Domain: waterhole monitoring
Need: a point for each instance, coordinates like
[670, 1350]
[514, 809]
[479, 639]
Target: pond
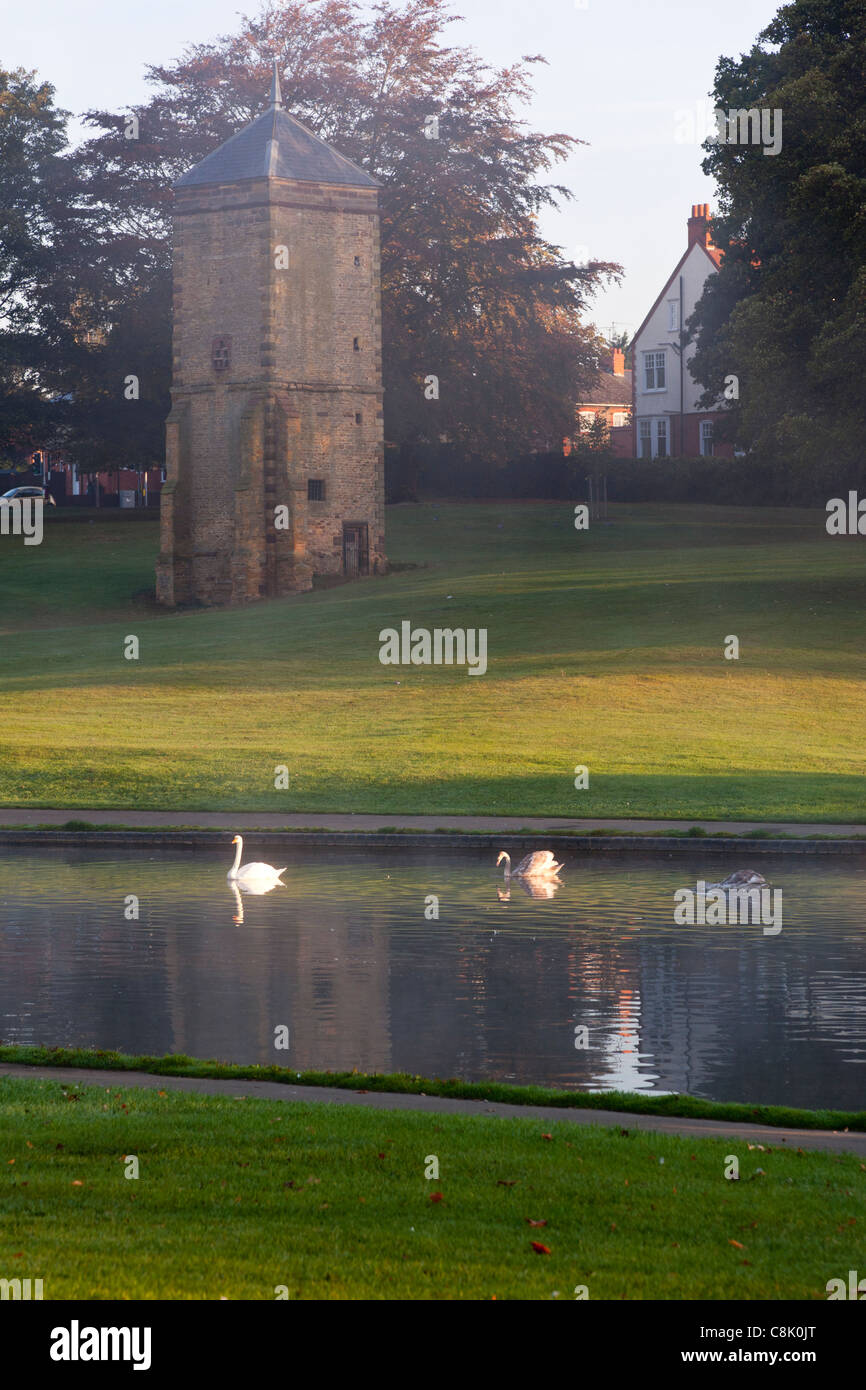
[350, 958]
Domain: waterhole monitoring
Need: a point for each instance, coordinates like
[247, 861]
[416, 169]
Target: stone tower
[274, 443]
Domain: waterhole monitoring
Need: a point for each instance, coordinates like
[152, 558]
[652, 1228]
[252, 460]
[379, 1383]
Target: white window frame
[658, 363]
[706, 439]
[660, 433]
[645, 432]
[620, 419]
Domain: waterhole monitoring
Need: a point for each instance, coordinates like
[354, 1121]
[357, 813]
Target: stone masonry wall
[300, 399]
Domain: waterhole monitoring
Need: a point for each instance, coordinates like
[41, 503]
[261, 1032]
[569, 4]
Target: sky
[629, 77]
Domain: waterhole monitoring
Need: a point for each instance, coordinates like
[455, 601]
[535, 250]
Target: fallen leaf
[539, 1248]
[529, 1221]
[504, 1182]
[737, 1244]
[162, 1093]
[435, 1196]
[76, 1182]
[547, 1136]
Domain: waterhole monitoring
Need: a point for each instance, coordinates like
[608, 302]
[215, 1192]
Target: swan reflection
[255, 890]
[532, 887]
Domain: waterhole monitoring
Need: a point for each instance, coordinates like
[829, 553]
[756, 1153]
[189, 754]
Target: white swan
[538, 865]
[253, 878]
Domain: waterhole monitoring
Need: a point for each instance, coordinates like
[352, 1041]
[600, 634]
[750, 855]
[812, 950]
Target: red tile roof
[608, 390]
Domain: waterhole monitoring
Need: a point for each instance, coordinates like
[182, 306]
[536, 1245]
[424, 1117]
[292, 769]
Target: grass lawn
[605, 649]
[238, 1197]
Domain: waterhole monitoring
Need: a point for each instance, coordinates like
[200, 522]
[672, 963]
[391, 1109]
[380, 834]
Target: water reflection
[532, 887]
[497, 986]
[254, 890]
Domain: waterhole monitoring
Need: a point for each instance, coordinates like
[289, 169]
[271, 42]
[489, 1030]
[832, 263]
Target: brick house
[70, 485]
[611, 398]
[666, 418]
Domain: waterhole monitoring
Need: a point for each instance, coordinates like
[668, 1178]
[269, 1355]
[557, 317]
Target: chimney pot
[699, 225]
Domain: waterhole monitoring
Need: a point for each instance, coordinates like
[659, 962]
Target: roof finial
[276, 94]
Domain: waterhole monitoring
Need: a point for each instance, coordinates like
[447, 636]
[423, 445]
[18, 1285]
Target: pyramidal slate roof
[276, 146]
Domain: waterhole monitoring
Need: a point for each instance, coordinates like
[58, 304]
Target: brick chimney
[618, 362]
[699, 225]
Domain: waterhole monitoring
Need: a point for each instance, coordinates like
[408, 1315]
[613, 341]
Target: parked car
[28, 492]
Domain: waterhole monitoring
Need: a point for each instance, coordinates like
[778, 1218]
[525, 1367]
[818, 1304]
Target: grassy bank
[605, 650]
[628, 1101]
[236, 1199]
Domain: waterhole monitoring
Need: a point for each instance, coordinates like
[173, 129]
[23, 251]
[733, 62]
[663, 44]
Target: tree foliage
[472, 294]
[787, 312]
[33, 220]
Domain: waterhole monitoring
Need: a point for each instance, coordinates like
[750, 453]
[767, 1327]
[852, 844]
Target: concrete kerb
[769, 1135]
[192, 838]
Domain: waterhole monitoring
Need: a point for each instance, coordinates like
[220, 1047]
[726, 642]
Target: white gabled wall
[657, 335]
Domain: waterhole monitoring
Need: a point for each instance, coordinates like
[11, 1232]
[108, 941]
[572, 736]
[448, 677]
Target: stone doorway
[356, 549]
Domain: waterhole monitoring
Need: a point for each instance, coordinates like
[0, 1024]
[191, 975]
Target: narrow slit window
[315, 489]
[221, 353]
[358, 417]
[356, 344]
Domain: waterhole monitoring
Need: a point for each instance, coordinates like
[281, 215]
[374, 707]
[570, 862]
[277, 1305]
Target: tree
[621, 340]
[482, 321]
[786, 314]
[32, 139]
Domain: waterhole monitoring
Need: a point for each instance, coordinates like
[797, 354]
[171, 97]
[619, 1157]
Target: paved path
[315, 820]
[835, 1141]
